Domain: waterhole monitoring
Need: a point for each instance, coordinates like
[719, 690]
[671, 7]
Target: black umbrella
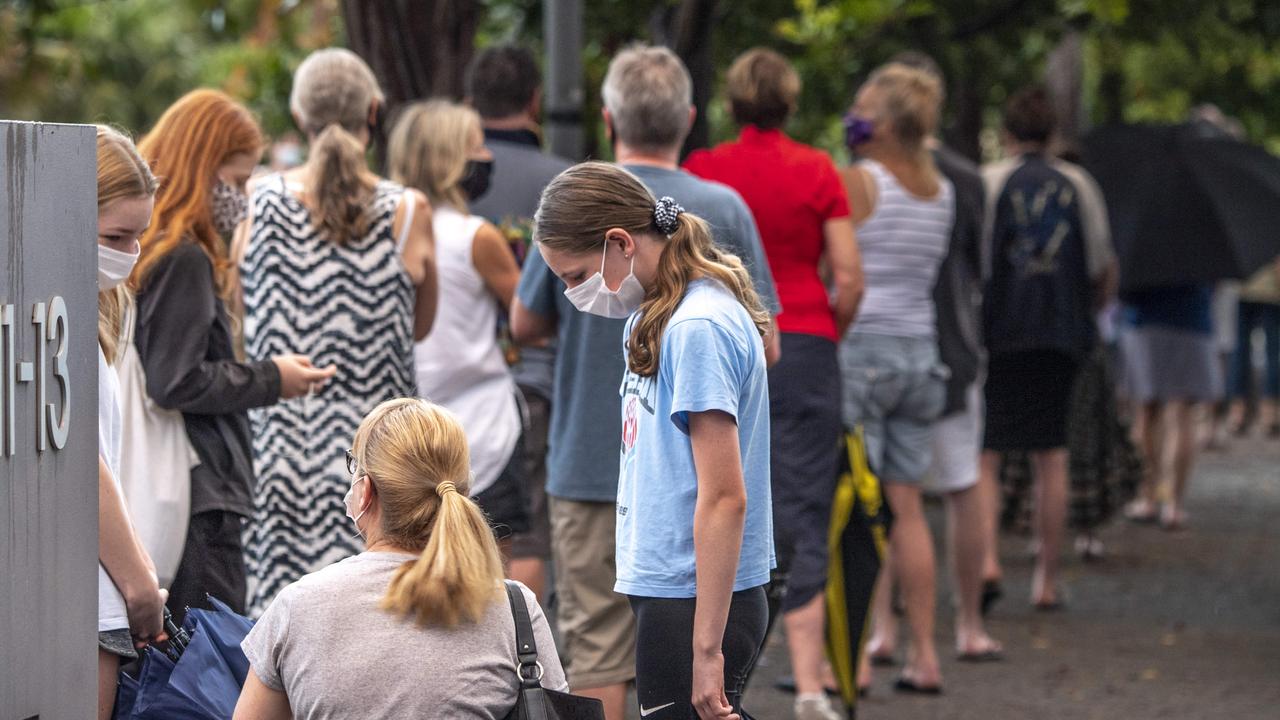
[1187, 203]
[856, 543]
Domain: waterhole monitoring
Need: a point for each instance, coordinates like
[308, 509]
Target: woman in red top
[801, 209]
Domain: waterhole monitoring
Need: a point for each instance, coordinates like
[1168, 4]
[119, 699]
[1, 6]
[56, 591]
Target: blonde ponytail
[689, 253]
[584, 202]
[334, 91]
[456, 578]
[415, 454]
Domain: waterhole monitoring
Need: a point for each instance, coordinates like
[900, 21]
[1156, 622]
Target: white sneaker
[815, 706]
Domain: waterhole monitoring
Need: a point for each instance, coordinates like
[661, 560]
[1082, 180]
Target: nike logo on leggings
[652, 710]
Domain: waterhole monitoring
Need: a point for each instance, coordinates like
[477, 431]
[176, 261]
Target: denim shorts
[895, 388]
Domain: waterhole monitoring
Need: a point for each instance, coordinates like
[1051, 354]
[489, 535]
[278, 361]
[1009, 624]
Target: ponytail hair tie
[445, 488]
[666, 215]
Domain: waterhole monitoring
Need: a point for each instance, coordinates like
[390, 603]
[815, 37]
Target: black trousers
[664, 651]
[212, 564]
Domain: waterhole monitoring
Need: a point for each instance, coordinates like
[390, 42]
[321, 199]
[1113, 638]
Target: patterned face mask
[230, 207]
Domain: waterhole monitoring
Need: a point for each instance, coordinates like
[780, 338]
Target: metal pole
[563, 94]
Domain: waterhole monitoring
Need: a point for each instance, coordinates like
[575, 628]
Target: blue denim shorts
[895, 388]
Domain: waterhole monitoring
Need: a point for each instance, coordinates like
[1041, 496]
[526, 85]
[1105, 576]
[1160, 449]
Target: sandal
[1141, 511]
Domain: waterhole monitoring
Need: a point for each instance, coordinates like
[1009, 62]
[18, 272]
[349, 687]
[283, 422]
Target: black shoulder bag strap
[531, 704]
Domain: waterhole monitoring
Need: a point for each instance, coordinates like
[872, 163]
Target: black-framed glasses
[352, 463]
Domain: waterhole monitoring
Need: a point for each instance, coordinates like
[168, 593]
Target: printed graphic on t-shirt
[1042, 222]
[630, 423]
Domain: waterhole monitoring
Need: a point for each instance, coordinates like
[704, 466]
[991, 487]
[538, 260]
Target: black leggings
[664, 651]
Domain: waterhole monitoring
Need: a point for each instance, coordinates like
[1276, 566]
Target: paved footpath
[1182, 626]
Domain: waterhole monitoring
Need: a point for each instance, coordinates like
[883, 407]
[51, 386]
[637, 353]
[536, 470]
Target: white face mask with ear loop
[346, 503]
[594, 296]
[114, 267]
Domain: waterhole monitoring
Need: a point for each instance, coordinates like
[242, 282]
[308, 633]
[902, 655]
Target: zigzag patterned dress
[347, 305]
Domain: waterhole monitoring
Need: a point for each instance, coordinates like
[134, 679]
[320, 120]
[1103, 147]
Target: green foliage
[1145, 60]
[123, 62]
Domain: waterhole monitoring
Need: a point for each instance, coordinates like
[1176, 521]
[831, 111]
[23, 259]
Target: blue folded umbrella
[204, 678]
[204, 683]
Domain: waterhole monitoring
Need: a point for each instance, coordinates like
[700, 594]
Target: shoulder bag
[535, 702]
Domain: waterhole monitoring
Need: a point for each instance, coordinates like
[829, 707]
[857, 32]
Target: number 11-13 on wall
[52, 419]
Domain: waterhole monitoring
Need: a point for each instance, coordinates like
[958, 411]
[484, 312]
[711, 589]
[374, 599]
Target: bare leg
[884, 626]
[1146, 431]
[805, 626]
[614, 698]
[1180, 434]
[915, 568]
[989, 492]
[965, 524]
[108, 677]
[533, 573]
[1050, 468]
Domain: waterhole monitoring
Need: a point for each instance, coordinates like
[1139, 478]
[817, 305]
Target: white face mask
[113, 267]
[346, 503]
[594, 296]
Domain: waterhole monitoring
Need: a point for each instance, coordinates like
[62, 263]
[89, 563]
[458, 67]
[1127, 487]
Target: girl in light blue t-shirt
[694, 528]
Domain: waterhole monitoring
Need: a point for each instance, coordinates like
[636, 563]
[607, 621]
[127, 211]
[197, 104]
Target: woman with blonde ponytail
[694, 523]
[417, 625]
[340, 264]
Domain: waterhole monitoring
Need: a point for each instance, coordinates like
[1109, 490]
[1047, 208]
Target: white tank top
[460, 365]
[902, 243]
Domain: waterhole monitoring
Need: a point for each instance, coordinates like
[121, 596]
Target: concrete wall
[48, 498]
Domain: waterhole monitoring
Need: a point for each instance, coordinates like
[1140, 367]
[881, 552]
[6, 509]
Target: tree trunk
[417, 49]
[695, 23]
[1064, 80]
[967, 100]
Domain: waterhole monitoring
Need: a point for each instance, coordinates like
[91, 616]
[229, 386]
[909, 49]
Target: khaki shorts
[597, 627]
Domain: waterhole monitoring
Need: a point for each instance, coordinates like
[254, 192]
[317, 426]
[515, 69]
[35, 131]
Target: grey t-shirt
[586, 420]
[325, 642]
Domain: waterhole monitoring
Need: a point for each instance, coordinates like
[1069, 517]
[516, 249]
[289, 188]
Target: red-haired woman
[204, 148]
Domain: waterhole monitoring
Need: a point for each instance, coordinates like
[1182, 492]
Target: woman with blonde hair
[337, 262]
[438, 148]
[130, 601]
[418, 624]
[204, 147]
[694, 523]
[894, 382]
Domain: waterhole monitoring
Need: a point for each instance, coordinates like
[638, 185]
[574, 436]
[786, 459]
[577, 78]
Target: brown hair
[763, 89]
[192, 139]
[122, 174]
[911, 99]
[1028, 115]
[584, 202]
[415, 455]
[333, 92]
[428, 149]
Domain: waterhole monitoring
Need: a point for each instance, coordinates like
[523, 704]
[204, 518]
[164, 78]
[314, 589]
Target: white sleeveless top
[902, 243]
[460, 365]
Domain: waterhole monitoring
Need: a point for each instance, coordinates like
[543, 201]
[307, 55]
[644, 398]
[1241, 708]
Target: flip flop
[883, 661]
[1050, 607]
[983, 656]
[991, 592]
[909, 686]
[787, 684]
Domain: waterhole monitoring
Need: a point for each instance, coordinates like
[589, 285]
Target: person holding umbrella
[130, 601]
